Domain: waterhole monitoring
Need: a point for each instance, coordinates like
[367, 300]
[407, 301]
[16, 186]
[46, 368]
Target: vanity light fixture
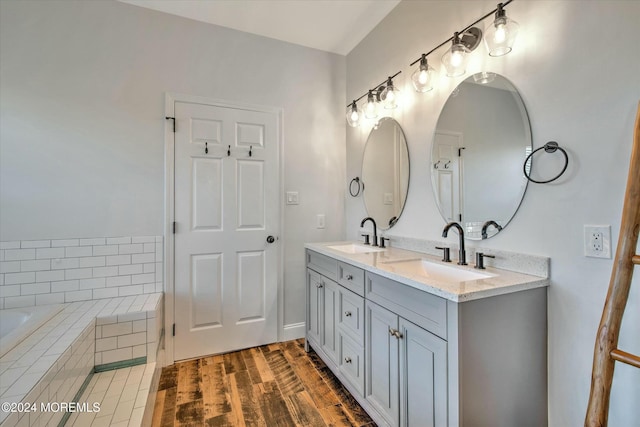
[383, 93]
[371, 107]
[389, 95]
[353, 114]
[455, 59]
[501, 35]
[422, 77]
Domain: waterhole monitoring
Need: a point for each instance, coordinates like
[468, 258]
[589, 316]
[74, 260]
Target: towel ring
[549, 147]
[360, 187]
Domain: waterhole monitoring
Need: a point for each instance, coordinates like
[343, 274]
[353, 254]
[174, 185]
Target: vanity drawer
[323, 264]
[352, 363]
[422, 308]
[351, 277]
[351, 314]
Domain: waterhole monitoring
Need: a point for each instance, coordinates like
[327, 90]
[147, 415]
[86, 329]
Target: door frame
[169, 213]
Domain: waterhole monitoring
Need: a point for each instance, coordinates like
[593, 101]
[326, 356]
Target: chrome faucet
[375, 232]
[486, 225]
[462, 255]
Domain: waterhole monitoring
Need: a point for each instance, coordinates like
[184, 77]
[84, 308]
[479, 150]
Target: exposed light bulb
[501, 35]
[422, 77]
[353, 115]
[456, 58]
[371, 108]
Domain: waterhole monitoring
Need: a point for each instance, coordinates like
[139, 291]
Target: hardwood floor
[274, 385]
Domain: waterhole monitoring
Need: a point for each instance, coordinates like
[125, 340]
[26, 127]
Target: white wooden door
[226, 206]
[448, 180]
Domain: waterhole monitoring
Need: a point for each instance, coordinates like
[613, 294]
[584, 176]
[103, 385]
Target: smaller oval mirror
[385, 173]
[481, 141]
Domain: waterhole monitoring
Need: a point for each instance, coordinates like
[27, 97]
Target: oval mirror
[385, 173]
[481, 141]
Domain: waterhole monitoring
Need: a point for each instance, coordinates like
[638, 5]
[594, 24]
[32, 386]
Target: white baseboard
[293, 331]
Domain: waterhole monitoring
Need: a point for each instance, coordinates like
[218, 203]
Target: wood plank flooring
[274, 385]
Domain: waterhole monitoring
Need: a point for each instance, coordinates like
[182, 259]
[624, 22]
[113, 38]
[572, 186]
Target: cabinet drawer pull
[347, 360]
[347, 313]
[349, 277]
[392, 332]
[398, 335]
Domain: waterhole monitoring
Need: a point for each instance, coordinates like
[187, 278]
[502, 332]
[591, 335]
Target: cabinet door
[381, 355]
[330, 316]
[314, 306]
[423, 377]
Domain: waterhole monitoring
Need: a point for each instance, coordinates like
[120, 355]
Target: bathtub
[16, 324]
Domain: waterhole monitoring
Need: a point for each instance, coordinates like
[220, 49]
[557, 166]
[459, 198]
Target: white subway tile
[93, 242]
[19, 254]
[105, 250]
[150, 247]
[149, 267]
[103, 344]
[93, 261]
[124, 291]
[137, 279]
[64, 243]
[48, 253]
[131, 340]
[77, 296]
[19, 302]
[9, 291]
[131, 317]
[19, 278]
[116, 329]
[105, 293]
[118, 240]
[130, 249]
[149, 288]
[1, 308]
[78, 251]
[106, 320]
[78, 273]
[152, 349]
[118, 281]
[49, 276]
[130, 269]
[143, 258]
[143, 239]
[98, 282]
[9, 266]
[15, 244]
[139, 351]
[35, 265]
[26, 244]
[117, 356]
[105, 271]
[118, 259]
[44, 299]
[64, 263]
[65, 286]
[140, 325]
[35, 288]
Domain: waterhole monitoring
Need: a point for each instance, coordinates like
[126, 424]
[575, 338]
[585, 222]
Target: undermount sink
[352, 248]
[431, 270]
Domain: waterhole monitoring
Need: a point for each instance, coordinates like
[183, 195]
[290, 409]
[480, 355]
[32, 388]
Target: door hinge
[174, 330]
[174, 122]
[174, 227]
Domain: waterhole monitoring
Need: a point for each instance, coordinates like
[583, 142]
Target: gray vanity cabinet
[322, 304]
[406, 374]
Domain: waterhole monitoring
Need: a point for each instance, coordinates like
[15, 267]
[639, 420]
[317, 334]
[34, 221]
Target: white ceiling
[330, 25]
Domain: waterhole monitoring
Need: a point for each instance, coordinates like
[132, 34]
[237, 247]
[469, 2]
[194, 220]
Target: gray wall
[581, 90]
[82, 89]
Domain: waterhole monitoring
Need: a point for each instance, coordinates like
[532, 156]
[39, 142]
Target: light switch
[388, 198]
[292, 197]
[320, 221]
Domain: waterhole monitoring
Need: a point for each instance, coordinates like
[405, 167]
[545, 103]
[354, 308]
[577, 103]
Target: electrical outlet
[597, 241]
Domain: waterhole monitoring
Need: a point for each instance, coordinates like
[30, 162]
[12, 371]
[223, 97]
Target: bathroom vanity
[419, 342]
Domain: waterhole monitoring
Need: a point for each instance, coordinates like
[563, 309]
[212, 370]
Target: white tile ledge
[34, 362]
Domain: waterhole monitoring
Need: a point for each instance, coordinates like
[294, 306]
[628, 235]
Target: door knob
[271, 239]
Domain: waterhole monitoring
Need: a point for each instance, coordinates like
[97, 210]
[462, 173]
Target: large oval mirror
[482, 139]
[385, 173]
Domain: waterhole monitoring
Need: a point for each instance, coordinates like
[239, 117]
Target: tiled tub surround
[52, 363]
[40, 272]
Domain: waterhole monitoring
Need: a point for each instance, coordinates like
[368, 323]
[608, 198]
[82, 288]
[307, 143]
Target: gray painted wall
[581, 90]
[82, 108]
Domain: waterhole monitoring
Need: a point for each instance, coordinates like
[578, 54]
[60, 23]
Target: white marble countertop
[386, 263]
